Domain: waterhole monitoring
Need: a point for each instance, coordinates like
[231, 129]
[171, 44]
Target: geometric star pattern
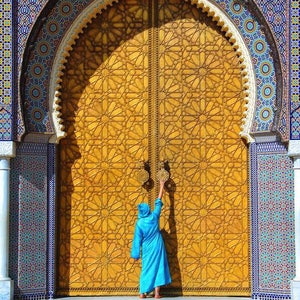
[133, 92]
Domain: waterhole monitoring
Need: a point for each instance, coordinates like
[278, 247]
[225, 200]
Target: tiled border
[6, 70]
[271, 207]
[294, 69]
[29, 221]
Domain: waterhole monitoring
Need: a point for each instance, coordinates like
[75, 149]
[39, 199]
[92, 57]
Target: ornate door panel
[200, 100]
[150, 81]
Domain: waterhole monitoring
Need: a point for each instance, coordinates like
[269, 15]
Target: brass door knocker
[162, 174]
[143, 175]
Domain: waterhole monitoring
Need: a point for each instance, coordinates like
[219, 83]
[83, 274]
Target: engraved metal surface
[151, 81]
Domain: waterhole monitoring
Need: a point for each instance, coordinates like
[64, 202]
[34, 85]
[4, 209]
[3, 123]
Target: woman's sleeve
[136, 243]
[158, 206]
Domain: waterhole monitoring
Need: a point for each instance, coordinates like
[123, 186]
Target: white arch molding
[91, 11]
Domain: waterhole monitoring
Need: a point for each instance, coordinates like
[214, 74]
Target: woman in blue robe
[148, 244]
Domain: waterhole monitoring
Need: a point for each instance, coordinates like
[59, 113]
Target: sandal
[158, 296]
[142, 296]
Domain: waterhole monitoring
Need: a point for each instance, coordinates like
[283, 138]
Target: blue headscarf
[143, 210]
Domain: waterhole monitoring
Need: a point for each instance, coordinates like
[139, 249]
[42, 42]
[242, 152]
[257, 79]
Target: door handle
[162, 174]
[143, 174]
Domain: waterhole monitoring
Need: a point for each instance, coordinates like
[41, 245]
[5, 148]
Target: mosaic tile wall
[272, 221]
[31, 228]
[6, 57]
[276, 14]
[28, 14]
[263, 62]
[294, 70]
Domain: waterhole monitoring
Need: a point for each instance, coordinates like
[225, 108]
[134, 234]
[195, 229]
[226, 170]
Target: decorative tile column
[294, 152]
[7, 151]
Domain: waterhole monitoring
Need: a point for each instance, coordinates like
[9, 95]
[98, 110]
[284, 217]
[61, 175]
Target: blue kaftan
[147, 237]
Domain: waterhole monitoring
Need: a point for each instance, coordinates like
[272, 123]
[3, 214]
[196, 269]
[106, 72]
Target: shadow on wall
[171, 242]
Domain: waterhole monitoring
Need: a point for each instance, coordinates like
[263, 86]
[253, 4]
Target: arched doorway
[153, 81]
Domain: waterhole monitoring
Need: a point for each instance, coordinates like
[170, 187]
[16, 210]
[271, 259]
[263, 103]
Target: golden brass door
[152, 81]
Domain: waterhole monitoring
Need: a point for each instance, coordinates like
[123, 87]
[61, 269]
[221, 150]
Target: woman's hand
[161, 190]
